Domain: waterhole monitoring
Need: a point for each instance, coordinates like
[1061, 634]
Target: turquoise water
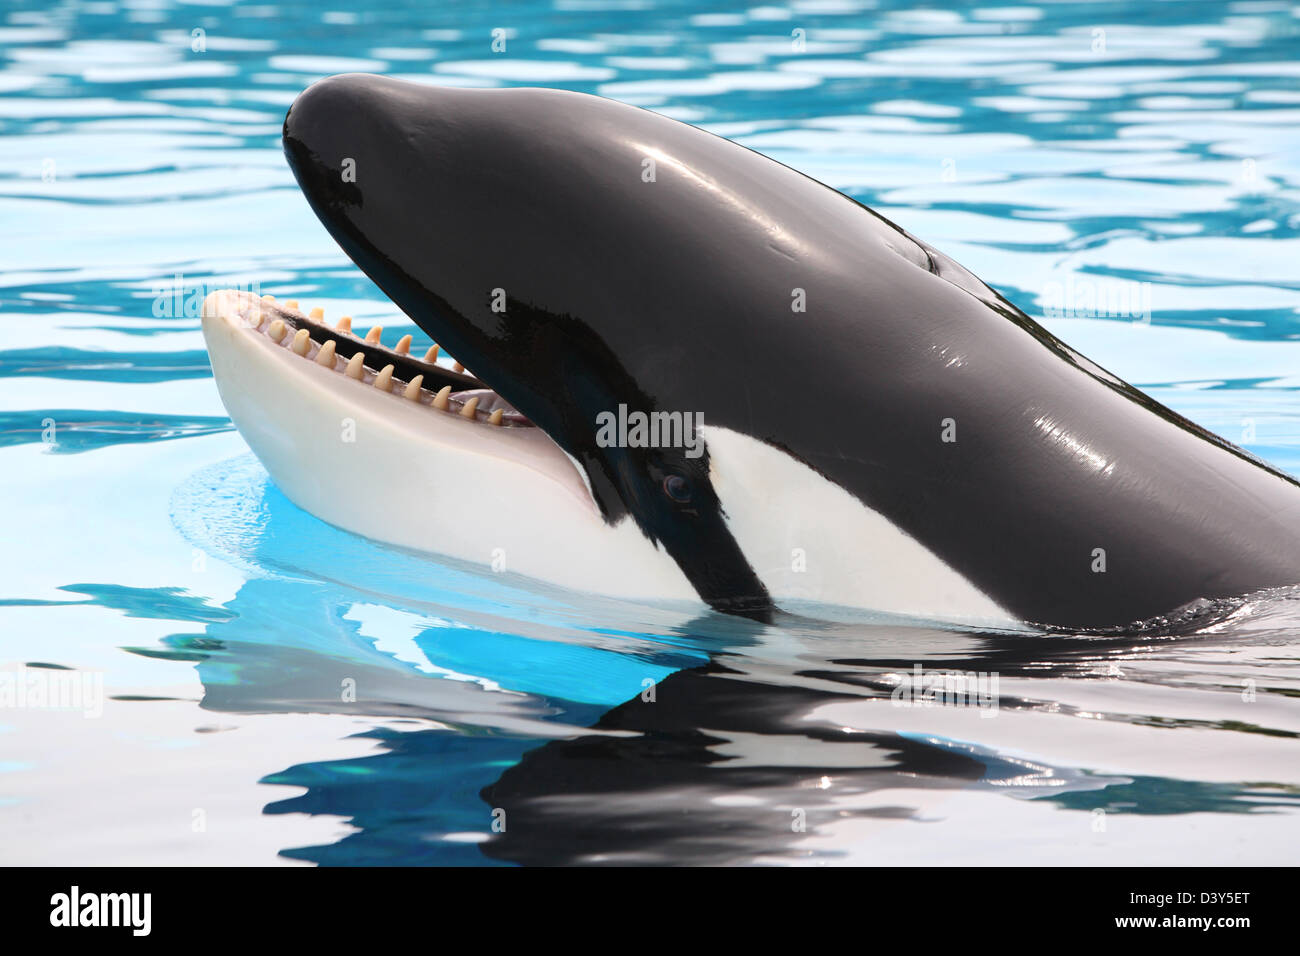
[258, 687]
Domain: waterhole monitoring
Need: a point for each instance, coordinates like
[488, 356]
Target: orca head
[524, 231]
[590, 260]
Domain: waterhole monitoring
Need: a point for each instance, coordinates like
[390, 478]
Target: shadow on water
[509, 727]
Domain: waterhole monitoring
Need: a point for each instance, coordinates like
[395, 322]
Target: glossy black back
[676, 294]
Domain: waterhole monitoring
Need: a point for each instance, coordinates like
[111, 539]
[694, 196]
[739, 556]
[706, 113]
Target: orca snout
[343, 136]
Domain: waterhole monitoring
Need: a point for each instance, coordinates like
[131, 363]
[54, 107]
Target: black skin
[676, 295]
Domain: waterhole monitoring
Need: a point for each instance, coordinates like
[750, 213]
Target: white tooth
[413, 388]
[354, 366]
[291, 304]
[276, 331]
[374, 333]
[470, 408]
[318, 313]
[440, 400]
[301, 342]
[345, 324]
[384, 380]
[458, 367]
[404, 345]
[431, 356]
[326, 354]
[495, 417]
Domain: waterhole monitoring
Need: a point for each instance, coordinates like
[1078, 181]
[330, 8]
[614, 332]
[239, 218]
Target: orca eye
[677, 488]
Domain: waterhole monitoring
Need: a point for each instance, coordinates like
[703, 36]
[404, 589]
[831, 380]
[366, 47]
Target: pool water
[255, 686]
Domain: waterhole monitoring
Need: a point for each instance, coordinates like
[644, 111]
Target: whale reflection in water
[535, 730]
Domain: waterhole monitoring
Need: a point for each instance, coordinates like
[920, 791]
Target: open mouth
[289, 381]
[415, 452]
[368, 362]
[328, 410]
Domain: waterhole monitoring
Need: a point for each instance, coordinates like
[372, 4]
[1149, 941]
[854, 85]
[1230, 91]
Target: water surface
[274, 690]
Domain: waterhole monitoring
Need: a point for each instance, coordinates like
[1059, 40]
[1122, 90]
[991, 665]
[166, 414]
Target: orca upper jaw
[373, 450]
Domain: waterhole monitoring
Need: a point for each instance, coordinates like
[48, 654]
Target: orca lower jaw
[411, 453]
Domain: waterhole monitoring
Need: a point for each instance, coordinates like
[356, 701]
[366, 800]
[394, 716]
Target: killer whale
[881, 428]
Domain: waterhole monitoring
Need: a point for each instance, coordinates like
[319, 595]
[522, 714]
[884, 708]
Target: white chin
[400, 470]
